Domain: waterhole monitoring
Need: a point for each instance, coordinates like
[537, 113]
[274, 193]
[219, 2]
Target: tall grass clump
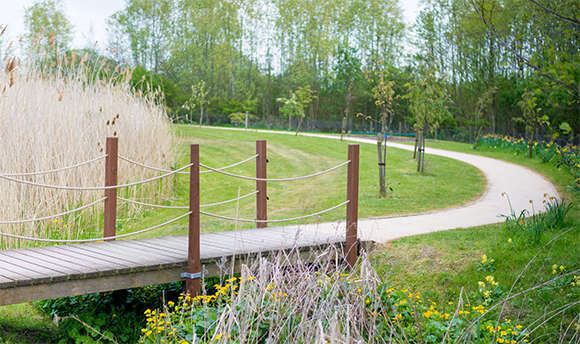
[58, 113]
[286, 300]
[533, 225]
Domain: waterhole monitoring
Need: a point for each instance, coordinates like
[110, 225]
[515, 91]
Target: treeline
[477, 66]
[249, 54]
[511, 66]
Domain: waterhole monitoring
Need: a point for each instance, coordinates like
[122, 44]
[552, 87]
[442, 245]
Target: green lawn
[448, 182]
[440, 264]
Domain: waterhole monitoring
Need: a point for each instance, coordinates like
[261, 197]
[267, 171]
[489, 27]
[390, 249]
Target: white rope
[165, 170]
[89, 188]
[229, 200]
[229, 166]
[278, 220]
[10, 222]
[54, 170]
[276, 179]
[147, 166]
[15, 236]
[151, 205]
[182, 207]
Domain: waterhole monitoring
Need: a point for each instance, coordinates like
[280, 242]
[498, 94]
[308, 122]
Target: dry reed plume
[62, 117]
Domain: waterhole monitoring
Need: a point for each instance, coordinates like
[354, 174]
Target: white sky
[88, 18]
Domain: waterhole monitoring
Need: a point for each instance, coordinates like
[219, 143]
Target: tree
[348, 76]
[428, 102]
[198, 98]
[48, 30]
[147, 24]
[294, 106]
[384, 95]
[531, 116]
[481, 108]
[305, 95]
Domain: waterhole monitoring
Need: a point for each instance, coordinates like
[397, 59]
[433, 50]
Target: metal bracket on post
[189, 275]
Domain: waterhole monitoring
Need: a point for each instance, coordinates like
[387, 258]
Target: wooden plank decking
[57, 271]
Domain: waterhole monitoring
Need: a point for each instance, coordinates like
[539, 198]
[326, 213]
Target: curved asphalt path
[519, 183]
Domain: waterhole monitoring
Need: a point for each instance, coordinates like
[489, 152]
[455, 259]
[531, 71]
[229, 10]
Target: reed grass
[58, 114]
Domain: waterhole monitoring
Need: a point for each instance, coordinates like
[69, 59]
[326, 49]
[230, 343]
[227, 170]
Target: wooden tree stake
[352, 206]
[110, 222]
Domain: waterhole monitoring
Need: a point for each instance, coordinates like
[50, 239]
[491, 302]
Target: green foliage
[48, 30]
[428, 101]
[114, 315]
[294, 106]
[198, 98]
[163, 87]
[239, 118]
[146, 25]
[567, 157]
[291, 107]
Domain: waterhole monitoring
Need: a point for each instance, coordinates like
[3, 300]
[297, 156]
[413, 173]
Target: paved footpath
[519, 183]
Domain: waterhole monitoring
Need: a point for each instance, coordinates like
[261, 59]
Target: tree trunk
[531, 143]
[416, 143]
[201, 116]
[418, 150]
[299, 125]
[422, 152]
[380, 155]
[477, 138]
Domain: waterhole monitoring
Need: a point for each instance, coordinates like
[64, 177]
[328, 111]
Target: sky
[89, 18]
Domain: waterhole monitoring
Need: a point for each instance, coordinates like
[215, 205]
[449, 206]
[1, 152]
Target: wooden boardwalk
[74, 269]
[57, 271]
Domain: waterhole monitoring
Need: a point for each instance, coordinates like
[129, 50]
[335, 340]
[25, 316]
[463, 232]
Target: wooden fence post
[352, 206]
[111, 162]
[193, 274]
[261, 185]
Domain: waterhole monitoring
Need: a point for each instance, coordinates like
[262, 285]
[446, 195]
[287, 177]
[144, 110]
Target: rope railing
[23, 237]
[277, 220]
[166, 170]
[229, 200]
[276, 179]
[93, 188]
[23, 174]
[160, 206]
[186, 207]
[12, 222]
